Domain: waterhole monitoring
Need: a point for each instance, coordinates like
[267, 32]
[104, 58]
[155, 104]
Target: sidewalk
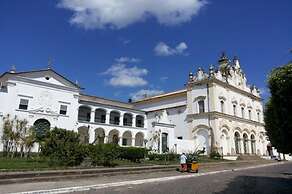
[53, 175]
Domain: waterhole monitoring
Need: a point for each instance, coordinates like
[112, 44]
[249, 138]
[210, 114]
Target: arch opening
[139, 139]
[83, 135]
[113, 136]
[127, 138]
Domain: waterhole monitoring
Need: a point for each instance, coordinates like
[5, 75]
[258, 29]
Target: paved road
[220, 179]
[267, 180]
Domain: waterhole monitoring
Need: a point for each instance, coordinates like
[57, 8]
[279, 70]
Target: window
[23, 105]
[63, 110]
[201, 106]
[249, 114]
[179, 137]
[234, 109]
[222, 106]
[259, 118]
[242, 112]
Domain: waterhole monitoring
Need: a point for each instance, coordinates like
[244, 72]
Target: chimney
[130, 100]
[13, 69]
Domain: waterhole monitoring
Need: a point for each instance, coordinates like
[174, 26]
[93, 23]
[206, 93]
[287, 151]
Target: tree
[278, 117]
[16, 135]
[62, 146]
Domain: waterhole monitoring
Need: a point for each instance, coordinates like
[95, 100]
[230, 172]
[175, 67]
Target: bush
[163, 157]
[62, 147]
[133, 154]
[215, 155]
[104, 154]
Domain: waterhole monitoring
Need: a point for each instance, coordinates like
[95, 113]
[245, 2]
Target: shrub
[104, 154]
[163, 157]
[215, 155]
[133, 154]
[62, 146]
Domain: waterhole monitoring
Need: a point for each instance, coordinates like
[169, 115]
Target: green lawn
[10, 164]
[19, 164]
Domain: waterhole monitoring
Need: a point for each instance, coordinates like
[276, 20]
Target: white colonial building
[216, 110]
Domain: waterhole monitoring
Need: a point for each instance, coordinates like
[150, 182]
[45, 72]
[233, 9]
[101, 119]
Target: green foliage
[132, 153]
[17, 138]
[278, 117]
[104, 154]
[163, 157]
[62, 146]
[215, 155]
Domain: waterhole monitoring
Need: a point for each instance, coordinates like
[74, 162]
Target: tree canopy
[278, 110]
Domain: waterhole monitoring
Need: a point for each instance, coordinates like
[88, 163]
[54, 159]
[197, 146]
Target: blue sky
[116, 50]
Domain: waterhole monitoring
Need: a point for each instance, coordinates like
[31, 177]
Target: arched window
[245, 143]
[139, 121]
[259, 117]
[249, 114]
[237, 142]
[100, 116]
[253, 142]
[128, 119]
[201, 106]
[234, 109]
[222, 106]
[84, 113]
[41, 126]
[242, 112]
[115, 118]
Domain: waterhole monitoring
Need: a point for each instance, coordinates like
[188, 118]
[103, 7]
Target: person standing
[183, 162]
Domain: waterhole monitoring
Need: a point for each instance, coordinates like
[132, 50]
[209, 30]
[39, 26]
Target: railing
[83, 118]
[114, 122]
[99, 120]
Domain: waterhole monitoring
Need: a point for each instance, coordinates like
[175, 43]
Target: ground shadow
[259, 184]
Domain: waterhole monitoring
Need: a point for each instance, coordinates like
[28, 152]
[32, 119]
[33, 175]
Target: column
[105, 139]
[133, 142]
[121, 119]
[248, 151]
[107, 118]
[160, 143]
[241, 146]
[92, 115]
[134, 121]
[91, 134]
[121, 140]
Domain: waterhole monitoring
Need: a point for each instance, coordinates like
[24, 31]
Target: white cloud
[127, 60]
[92, 14]
[162, 49]
[145, 93]
[164, 78]
[124, 76]
[181, 47]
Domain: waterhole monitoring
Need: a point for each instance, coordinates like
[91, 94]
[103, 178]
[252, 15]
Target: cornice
[35, 82]
[231, 87]
[215, 114]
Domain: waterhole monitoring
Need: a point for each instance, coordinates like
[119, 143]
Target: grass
[25, 164]
[36, 163]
